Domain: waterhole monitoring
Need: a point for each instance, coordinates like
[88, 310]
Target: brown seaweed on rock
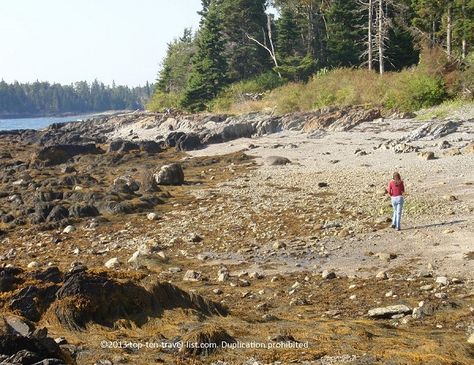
[95, 298]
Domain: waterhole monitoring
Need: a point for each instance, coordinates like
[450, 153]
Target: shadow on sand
[442, 224]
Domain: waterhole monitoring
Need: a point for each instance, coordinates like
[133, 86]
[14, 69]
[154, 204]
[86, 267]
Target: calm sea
[36, 123]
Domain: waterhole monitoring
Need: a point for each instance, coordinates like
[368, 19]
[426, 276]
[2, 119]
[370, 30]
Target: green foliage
[297, 68]
[174, 74]
[414, 91]
[238, 92]
[43, 98]
[404, 91]
[209, 66]
[345, 30]
[240, 18]
[160, 101]
[288, 35]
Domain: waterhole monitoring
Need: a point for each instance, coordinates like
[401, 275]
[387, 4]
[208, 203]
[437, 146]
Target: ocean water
[36, 123]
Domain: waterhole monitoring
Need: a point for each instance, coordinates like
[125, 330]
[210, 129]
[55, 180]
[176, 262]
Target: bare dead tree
[449, 27]
[269, 48]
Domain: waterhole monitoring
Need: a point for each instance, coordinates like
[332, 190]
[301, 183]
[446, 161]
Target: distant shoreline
[61, 115]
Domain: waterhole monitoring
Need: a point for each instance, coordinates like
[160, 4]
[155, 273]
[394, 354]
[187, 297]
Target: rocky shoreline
[172, 229]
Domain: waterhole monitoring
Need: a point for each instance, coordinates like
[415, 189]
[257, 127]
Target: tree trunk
[463, 41]
[449, 32]
[370, 51]
[433, 39]
[380, 37]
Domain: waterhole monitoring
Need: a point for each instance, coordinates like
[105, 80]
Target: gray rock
[170, 175]
[328, 275]
[388, 312]
[192, 275]
[276, 161]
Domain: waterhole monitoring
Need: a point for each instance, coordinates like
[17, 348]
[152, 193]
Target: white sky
[70, 40]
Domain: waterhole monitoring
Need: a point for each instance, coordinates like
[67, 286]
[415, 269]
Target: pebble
[328, 274]
[152, 216]
[33, 264]
[69, 229]
[443, 280]
[382, 275]
[112, 263]
[192, 275]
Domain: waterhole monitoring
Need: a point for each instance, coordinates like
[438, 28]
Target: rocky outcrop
[58, 154]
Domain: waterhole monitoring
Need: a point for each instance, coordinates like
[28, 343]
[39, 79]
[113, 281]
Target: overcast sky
[70, 40]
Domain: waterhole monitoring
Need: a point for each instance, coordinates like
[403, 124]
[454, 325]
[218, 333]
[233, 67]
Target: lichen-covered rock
[170, 175]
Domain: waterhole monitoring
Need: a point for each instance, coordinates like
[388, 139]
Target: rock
[427, 155]
[188, 142]
[223, 276]
[322, 185]
[192, 275]
[33, 265]
[276, 161]
[388, 312]
[382, 275]
[339, 120]
[442, 280]
[122, 146]
[170, 175]
[471, 339]
[83, 210]
[444, 145]
[57, 213]
[386, 256]
[147, 182]
[278, 245]
[328, 275]
[69, 229]
[452, 152]
[152, 216]
[195, 238]
[441, 295]
[150, 147]
[58, 154]
[426, 287]
[432, 130]
[450, 198]
[19, 326]
[112, 263]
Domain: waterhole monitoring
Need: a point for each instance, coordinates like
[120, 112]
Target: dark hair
[397, 178]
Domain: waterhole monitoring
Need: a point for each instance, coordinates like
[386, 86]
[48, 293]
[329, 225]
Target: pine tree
[209, 65]
[344, 33]
[288, 35]
[240, 19]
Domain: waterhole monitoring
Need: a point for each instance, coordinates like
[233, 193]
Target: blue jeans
[397, 204]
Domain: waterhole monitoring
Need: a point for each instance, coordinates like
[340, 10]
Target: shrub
[161, 101]
[414, 90]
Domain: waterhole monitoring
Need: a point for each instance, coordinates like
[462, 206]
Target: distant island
[41, 99]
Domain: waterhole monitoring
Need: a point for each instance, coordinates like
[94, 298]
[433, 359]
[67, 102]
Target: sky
[70, 40]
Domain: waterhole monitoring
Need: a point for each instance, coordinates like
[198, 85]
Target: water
[36, 123]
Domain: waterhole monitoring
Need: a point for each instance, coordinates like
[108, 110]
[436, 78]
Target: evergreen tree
[288, 35]
[209, 65]
[240, 18]
[345, 32]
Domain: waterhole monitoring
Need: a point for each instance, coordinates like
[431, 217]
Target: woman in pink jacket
[396, 189]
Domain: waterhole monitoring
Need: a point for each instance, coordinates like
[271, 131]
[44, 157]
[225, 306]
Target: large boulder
[170, 175]
[61, 153]
[122, 146]
[150, 146]
[188, 142]
[83, 210]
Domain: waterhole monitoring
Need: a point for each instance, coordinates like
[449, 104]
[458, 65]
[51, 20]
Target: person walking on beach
[396, 189]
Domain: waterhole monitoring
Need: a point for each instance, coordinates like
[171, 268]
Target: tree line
[241, 40]
[43, 98]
